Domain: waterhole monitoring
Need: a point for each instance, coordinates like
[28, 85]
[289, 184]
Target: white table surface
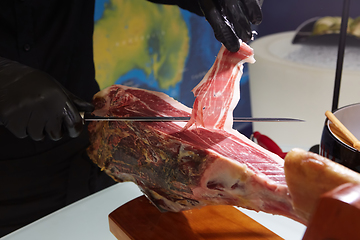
[88, 219]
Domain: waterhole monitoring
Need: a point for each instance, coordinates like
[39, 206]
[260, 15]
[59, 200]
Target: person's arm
[34, 104]
[190, 5]
[230, 19]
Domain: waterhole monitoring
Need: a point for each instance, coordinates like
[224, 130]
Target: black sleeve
[190, 5]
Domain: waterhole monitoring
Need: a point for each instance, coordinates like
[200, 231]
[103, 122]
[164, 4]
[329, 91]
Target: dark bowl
[333, 148]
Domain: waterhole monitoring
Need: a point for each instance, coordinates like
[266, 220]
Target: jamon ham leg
[182, 169]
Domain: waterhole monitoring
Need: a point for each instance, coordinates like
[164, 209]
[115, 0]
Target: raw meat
[181, 169]
[218, 93]
[310, 175]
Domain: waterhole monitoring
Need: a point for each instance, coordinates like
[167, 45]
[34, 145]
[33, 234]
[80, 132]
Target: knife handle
[82, 115]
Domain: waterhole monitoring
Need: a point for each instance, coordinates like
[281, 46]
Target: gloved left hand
[34, 104]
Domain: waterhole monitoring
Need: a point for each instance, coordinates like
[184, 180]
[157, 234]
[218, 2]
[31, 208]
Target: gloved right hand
[230, 19]
[32, 103]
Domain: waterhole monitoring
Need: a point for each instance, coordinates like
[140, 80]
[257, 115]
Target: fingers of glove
[36, 125]
[253, 10]
[81, 105]
[54, 129]
[236, 13]
[222, 30]
[17, 125]
[4, 109]
[72, 120]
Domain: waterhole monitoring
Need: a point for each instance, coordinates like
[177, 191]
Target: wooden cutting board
[140, 220]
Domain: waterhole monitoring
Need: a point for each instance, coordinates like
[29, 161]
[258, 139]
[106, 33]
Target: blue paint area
[99, 8]
[137, 78]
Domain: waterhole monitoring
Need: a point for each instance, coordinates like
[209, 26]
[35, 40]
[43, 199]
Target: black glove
[230, 19]
[32, 103]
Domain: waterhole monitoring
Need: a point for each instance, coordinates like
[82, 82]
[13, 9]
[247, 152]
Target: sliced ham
[219, 92]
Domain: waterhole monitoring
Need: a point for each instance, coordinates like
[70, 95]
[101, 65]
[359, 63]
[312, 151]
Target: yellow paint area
[136, 34]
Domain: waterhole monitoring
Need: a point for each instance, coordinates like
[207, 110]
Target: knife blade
[89, 117]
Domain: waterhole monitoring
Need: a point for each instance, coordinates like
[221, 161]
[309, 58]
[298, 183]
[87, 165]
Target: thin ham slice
[219, 91]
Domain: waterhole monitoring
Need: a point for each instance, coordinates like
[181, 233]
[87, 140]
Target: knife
[87, 116]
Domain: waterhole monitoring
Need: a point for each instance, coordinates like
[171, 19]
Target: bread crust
[309, 175]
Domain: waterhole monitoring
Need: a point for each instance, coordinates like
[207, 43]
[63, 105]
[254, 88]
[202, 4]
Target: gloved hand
[230, 19]
[34, 104]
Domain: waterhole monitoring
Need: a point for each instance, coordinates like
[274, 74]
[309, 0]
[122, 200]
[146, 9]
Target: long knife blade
[90, 117]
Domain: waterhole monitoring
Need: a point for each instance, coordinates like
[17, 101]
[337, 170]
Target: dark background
[287, 15]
